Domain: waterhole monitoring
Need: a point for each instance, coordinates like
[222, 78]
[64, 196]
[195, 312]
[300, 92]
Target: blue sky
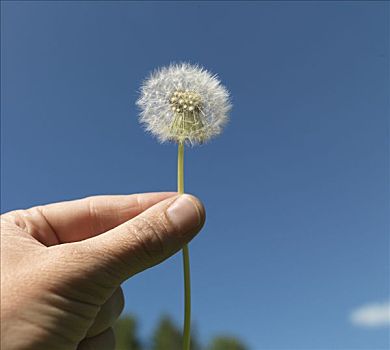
[296, 189]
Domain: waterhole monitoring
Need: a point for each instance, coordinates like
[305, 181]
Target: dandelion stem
[180, 168]
[186, 257]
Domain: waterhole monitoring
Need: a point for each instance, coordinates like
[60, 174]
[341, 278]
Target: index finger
[80, 219]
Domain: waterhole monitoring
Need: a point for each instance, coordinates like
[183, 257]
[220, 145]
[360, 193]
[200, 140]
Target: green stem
[186, 257]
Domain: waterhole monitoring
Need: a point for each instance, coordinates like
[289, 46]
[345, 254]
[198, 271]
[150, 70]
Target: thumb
[147, 239]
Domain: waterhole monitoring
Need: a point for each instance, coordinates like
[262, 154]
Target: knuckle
[33, 221]
[149, 234]
[93, 214]
[15, 217]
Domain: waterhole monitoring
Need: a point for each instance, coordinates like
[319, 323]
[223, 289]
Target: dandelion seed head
[183, 103]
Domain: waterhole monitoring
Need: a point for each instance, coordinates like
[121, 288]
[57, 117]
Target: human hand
[62, 264]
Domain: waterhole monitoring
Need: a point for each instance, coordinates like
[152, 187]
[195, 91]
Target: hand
[62, 264]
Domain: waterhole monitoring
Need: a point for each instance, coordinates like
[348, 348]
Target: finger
[80, 219]
[146, 240]
[102, 341]
[108, 314]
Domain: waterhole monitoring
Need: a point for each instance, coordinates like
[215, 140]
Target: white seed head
[183, 103]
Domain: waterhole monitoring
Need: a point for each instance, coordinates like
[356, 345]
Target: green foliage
[126, 334]
[226, 343]
[166, 336]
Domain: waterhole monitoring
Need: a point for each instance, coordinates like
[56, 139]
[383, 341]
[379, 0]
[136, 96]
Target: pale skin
[62, 264]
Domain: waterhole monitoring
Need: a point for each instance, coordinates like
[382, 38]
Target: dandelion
[183, 103]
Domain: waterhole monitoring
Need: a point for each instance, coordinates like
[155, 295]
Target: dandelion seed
[183, 103]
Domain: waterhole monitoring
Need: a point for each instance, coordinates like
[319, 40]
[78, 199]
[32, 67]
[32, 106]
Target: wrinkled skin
[62, 264]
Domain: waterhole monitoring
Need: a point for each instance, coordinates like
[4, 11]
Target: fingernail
[183, 213]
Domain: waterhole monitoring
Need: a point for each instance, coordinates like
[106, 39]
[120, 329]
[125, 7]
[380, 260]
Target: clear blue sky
[296, 189]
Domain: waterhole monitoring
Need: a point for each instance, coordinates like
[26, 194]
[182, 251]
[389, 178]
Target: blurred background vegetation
[166, 336]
